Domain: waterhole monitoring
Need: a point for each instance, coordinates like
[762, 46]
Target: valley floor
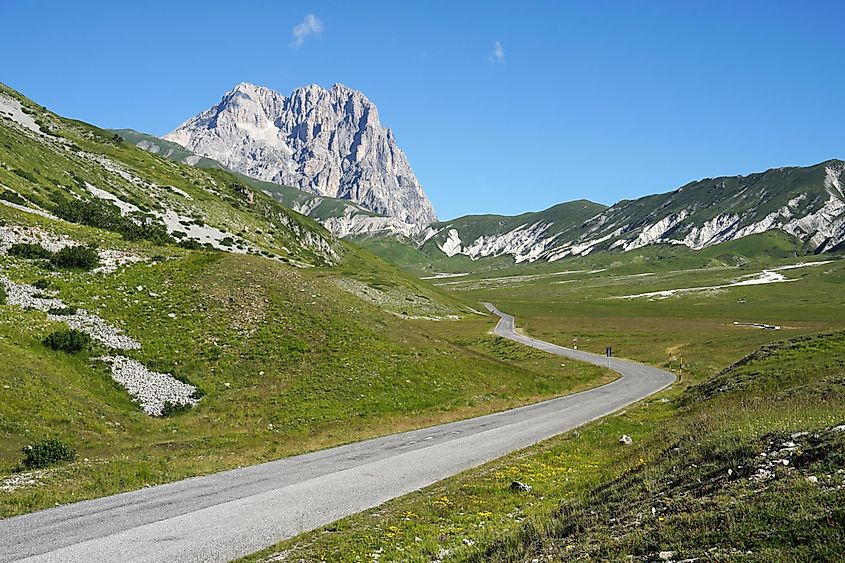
[231, 513]
[743, 460]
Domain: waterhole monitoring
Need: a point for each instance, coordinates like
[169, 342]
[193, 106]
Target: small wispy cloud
[311, 25]
[498, 54]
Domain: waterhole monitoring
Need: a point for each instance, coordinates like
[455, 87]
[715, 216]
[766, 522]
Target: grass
[287, 361]
[592, 497]
[48, 171]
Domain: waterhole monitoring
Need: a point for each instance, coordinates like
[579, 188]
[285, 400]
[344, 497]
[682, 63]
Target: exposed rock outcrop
[327, 142]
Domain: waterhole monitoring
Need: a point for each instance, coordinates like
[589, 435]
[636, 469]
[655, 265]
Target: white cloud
[311, 25]
[498, 55]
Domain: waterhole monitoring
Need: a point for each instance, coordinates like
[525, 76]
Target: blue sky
[502, 107]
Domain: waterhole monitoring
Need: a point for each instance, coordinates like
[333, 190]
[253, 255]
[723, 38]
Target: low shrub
[172, 409]
[2, 295]
[62, 311]
[13, 197]
[68, 340]
[104, 215]
[41, 284]
[29, 250]
[190, 244]
[26, 175]
[46, 453]
[76, 257]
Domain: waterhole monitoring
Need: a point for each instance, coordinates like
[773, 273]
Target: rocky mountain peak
[328, 142]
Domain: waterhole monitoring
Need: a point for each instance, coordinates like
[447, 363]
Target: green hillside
[283, 338]
[704, 477]
[563, 217]
[806, 203]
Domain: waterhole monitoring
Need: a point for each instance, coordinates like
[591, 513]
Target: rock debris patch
[110, 260]
[98, 329]
[153, 390]
[15, 234]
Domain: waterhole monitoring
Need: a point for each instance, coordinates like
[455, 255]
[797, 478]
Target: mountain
[525, 236]
[327, 142]
[805, 202]
[343, 218]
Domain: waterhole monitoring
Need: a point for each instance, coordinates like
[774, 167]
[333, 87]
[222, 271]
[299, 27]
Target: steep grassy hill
[212, 327]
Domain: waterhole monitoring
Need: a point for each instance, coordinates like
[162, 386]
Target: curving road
[222, 516]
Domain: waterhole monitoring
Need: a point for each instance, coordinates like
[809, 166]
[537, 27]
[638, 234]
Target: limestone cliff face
[328, 142]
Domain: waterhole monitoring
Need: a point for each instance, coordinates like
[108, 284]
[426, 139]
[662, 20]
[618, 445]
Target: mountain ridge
[805, 202]
[328, 142]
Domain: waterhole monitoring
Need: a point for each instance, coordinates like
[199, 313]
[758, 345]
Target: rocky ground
[151, 389]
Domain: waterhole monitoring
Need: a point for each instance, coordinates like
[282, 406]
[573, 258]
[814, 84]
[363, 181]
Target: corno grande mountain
[327, 142]
[805, 202]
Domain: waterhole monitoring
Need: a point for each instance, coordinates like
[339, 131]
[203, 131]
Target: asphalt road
[222, 516]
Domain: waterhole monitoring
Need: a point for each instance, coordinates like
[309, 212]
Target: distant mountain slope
[167, 149]
[805, 202]
[328, 142]
[525, 236]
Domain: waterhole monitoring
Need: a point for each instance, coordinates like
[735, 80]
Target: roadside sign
[608, 352]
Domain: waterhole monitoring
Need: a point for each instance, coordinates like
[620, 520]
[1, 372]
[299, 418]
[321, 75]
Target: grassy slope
[696, 447]
[46, 169]
[563, 216]
[764, 246]
[718, 423]
[748, 199]
[288, 360]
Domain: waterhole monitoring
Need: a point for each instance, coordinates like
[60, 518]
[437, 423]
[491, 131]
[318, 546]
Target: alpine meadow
[247, 334]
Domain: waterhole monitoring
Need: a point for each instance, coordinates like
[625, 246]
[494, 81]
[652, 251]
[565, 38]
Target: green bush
[2, 295]
[29, 250]
[62, 311]
[68, 340]
[13, 197]
[104, 215]
[46, 453]
[41, 284]
[190, 244]
[94, 213]
[26, 175]
[79, 257]
[172, 409]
